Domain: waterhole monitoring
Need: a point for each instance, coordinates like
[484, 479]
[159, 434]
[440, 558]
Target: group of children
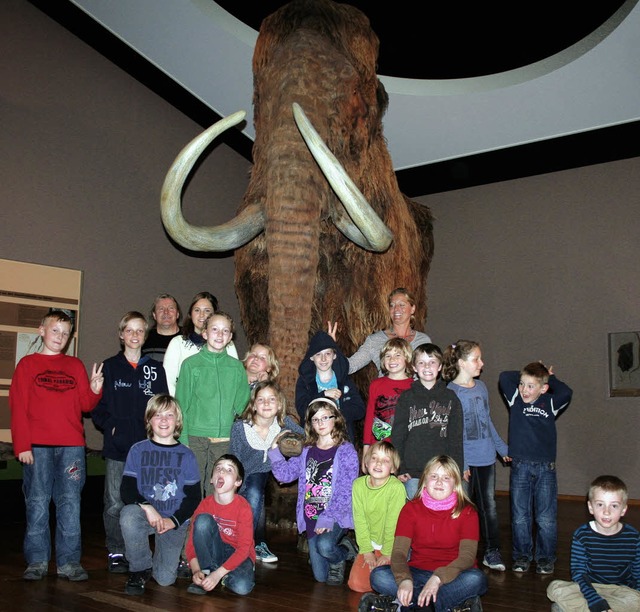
[174, 465]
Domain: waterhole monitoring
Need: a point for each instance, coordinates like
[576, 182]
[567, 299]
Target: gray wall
[544, 268]
[84, 151]
[538, 268]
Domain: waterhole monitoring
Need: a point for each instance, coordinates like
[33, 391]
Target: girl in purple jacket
[325, 472]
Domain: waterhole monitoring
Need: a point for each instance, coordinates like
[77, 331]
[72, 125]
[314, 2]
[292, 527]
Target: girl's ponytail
[454, 352]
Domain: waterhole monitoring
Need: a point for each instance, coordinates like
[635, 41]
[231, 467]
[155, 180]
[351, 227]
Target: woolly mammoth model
[323, 232]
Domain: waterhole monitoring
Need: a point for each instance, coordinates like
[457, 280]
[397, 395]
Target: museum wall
[85, 149]
[544, 268]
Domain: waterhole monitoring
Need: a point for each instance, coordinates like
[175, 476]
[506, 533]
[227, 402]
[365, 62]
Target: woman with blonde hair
[402, 306]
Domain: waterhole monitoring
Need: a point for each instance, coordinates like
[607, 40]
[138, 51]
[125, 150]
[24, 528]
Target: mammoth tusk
[348, 228]
[225, 237]
[366, 223]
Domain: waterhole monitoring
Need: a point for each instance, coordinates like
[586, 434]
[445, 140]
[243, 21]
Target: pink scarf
[439, 504]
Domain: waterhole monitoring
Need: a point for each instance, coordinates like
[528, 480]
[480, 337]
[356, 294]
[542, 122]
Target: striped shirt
[604, 559]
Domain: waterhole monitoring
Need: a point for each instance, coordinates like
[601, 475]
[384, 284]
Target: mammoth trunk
[277, 308]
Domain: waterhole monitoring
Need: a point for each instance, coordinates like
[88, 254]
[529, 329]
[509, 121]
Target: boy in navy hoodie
[130, 381]
[324, 372]
[535, 398]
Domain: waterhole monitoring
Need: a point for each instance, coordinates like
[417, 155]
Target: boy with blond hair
[605, 556]
[49, 392]
[160, 489]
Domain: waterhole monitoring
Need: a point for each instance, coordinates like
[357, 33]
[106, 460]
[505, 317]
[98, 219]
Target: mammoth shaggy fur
[301, 271]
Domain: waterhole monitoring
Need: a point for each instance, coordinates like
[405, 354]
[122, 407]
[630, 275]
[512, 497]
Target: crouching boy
[220, 548]
[160, 489]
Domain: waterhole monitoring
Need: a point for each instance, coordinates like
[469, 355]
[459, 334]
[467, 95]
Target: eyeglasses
[322, 419]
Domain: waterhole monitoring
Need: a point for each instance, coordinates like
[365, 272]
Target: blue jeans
[167, 546]
[113, 505]
[534, 496]
[482, 490]
[324, 550]
[253, 491]
[58, 473]
[411, 487]
[212, 552]
[469, 583]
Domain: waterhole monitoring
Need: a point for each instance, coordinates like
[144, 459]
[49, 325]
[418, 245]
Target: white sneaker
[264, 554]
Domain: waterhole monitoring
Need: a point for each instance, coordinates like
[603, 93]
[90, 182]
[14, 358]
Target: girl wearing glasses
[325, 472]
[251, 437]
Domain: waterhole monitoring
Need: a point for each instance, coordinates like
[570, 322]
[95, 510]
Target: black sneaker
[473, 604]
[336, 574]
[372, 602]
[184, 571]
[351, 547]
[137, 580]
[521, 565]
[544, 566]
[196, 589]
[117, 564]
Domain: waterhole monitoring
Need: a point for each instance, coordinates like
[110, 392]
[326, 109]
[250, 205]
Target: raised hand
[332, 329]
[97, 379]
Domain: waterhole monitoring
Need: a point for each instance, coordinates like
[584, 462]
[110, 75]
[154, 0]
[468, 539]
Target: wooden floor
[285, 586]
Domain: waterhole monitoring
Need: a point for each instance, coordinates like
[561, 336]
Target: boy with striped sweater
[605, 556]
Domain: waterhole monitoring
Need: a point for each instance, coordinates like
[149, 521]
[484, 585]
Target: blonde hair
[410, 299]
[399, 344]
[56, 315]
[386, 448]
[130, 316]
[609, 484]
[219, 313]
[453, 470]
[249, 412]
[162, 402]
[273, 366]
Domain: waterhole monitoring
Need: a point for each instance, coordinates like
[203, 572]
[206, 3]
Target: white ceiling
[591, 85]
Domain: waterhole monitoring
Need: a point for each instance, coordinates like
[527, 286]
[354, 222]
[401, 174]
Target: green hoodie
[212, 389]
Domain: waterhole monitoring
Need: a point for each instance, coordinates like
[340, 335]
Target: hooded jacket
[120, 413]
[350, 403]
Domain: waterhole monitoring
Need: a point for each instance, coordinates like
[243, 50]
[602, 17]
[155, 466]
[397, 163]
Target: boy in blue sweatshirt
[535, 398]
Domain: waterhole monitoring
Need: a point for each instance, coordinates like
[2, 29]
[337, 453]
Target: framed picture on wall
[624, 364]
